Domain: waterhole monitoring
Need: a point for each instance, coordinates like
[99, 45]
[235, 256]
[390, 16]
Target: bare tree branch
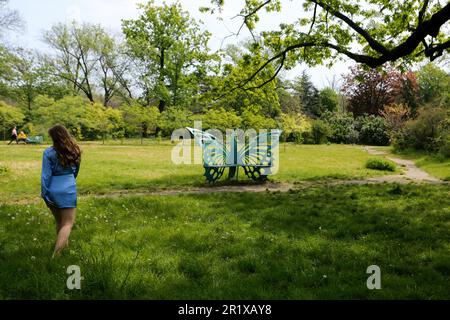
[313, 20]
[10, 20]
[422, 11]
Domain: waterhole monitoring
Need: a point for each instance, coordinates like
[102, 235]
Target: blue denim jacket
[52, 167]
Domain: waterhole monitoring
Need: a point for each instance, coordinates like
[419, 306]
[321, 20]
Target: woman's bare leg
[67, 221]
[57, 214]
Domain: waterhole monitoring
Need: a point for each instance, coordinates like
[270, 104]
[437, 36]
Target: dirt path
[411, 172]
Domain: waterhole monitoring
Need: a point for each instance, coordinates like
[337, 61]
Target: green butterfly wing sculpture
[255, 153]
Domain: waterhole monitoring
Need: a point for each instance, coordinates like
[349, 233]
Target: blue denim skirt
[63, 191]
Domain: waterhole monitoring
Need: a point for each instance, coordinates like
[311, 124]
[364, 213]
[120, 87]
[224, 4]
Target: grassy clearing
[313, 243]
[107, 168]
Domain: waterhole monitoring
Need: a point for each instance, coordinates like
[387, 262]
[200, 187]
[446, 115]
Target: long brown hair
[69, 153]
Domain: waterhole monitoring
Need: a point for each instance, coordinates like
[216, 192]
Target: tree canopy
[171, 51]
[370, 32]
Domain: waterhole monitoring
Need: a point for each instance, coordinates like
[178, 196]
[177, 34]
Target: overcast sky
[42, 14]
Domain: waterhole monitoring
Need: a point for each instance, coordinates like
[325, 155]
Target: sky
[40, 15]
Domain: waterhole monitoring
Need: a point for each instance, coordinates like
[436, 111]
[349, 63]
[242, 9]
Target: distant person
[22, 137]
[60, 166]
[13, 136]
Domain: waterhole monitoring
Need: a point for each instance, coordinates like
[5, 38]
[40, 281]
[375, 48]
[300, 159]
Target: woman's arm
[46, 175]
[77, 169]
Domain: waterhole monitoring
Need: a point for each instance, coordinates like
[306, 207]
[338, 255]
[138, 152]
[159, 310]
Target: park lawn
[110, 168]
[314, 243]
[434, 165]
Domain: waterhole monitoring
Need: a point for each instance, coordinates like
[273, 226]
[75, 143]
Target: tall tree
[6, 70]
[171, 51]
[308, 95]
[368, 91]
[112, 69]
[88, 58]
[289, 103]
[237, 63]
[406, 90]
[9, 19]
[329, 99]
[75, 58]
[434, 84]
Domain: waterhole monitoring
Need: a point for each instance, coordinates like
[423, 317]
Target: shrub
[380, 164]
[252, 118]
[85, 120]
[220, 119]
[174, 118]
[320, 132]
[428, 132]
[294, 127]
[443, 139]
[9, 116]
[372, 130]
[342, 126]
[395, 116]
[139, 120]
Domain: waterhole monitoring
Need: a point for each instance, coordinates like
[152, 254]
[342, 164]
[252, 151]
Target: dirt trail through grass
[411, 172]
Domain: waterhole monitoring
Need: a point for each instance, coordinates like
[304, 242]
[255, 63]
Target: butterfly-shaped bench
[254, 153]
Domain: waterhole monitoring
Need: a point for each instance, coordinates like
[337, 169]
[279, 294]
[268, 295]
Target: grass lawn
[435, 166]
[107, 168]
[314, 242]
[311, 243]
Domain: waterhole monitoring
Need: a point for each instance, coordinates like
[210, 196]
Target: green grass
[311, 243]
[303, 244]
[108, 168]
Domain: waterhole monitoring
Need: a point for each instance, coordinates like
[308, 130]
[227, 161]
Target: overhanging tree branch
[249, 15]
[436, 51]
[429, 27]
[422, 11]
[374, 44]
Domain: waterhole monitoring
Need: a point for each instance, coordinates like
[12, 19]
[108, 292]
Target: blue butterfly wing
[259, 149]
[214, 152]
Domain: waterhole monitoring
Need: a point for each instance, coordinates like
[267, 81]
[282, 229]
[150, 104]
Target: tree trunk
[162, 103]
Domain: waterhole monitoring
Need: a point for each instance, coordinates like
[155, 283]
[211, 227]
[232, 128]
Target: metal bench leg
[254, 173]
[213, 174]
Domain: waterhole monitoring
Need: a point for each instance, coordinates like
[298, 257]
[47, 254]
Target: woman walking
[13, 136]
[60, 166]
